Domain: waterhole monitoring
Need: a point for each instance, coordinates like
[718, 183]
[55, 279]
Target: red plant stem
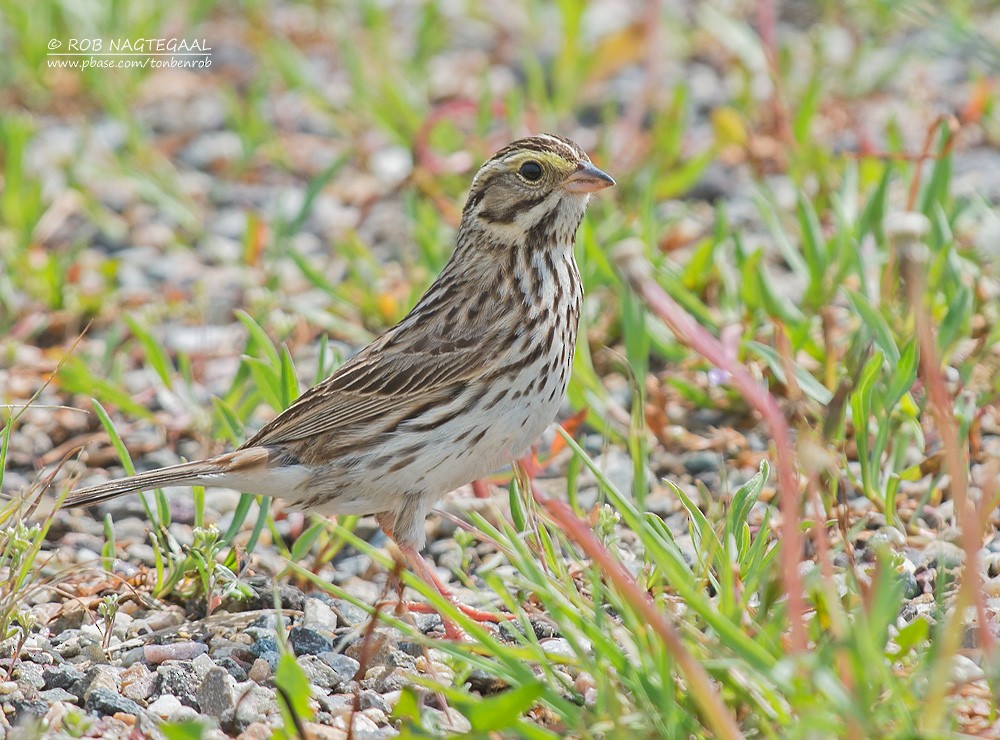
[906, 232]
[714, 712]
[637, 271]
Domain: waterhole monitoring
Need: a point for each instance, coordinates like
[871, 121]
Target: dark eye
[531, 171]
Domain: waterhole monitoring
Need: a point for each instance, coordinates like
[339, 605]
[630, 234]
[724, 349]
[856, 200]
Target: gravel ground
[181, 267]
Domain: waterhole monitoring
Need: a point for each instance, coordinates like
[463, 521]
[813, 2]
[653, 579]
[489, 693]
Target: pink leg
[423, 569]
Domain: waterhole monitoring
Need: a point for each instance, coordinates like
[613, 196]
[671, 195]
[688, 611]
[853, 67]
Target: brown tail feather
[201, 472]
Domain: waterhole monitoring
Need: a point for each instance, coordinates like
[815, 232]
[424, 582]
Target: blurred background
[309, 167]
[206, 205]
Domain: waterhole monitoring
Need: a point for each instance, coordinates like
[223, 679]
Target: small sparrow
[459, 388]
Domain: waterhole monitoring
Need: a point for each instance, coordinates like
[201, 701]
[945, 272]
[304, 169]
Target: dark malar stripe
[509, 213]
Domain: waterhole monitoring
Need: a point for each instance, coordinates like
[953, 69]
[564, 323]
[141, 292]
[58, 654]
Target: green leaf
[306, 540]
[877, 325]
[293, 693]
[108, 550]
[268, 381]
[907, 638]
[289, 380]
[156, 355]
[259, 342]
[806, 381]
[497, 712]
[239, 516]
[74, 376]
[518, 516]
[813, 243]
[265, 507]
[229, 421]
[189, 730]
[958, 316]
[407, 706]
[903, 374]
[743, 500]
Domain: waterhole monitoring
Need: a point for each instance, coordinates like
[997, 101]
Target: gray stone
[698, 463]
[911, 589]
[167, 706]
[349, 615]
[179, 679]
[271, 657]
[319, 673]
[42, 656]
[252, 706]
[450, 722]
[132, 656]
[307, 641]
[11, 692]
[28, 707]
[941, 554]
[336, 704]
[215, 695]
[211, 148]
[234, 668]
[428, 623]
[384, 680]
[965, 670]
[137, 674]
[104, 701]
[486, 683]
[263, 589]
[202, 665]
[61, 676]
[70, 618]
[68, 646]
[558, 646]
[29, 674]
[318, 613]
[368, 699]
[345, 666]
[51, 696]
[98, 677]
[264, 645]
[268, 621]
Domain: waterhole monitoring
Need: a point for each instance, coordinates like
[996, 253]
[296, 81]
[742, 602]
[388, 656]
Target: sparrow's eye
[531, 171]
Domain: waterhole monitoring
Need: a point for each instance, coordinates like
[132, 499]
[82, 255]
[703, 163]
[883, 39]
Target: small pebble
[156, 654]
[965, 670]
[260, 671]
[53, 695]
[319, 673]
[104, 701]
[306, 641]
[215, 695]
[138, 682]
[30, 674]
[253, 705]
[319, 613]
[166, 706]
[62, 676]
[180, 680]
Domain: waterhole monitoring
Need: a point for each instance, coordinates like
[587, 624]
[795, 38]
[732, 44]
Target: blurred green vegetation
[805, 161]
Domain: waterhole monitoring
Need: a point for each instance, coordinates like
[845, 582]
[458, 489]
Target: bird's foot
[451, 630]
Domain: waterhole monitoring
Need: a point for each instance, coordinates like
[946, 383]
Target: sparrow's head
[543, 180]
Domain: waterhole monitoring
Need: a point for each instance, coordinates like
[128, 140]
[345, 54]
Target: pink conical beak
[587, 179]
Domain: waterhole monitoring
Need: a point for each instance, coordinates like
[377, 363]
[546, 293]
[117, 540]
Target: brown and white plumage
[460, 387]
